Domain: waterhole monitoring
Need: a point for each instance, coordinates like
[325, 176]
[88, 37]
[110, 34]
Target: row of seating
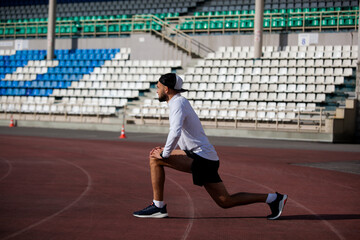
[265, 63]
[35, 84]
[286, 55]
[208, 81]
[198, 104]
[26, 91]
[149, 77]
[281, 23]
[143, 63]
[66, 100]
[111, 85]
[258, 96]
[255, 87]
[97, 101]
[292, 48]
[104, 93]
[234, 72]
[58, 109]
[294, 3]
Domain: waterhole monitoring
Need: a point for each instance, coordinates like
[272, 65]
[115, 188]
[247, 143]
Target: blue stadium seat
[40, 77]
[9, 91]
[21, 84]
[34, 84]
[73, 77]
[47, 84]
[53, 84]
[2, 91]
[42, 92]
[3, 84]
[35, 92]
[28, 92]
[61, 84]
[27, 84]
[58, 77]
[53, 77]
[8, 84]
[16, 91]
[22, 92]
[15, 84]
[48, 92]
[41, 84]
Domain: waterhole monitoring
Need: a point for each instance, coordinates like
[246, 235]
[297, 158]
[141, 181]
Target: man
[197, 156]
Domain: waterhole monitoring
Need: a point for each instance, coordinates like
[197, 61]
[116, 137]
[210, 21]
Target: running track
[58, 188]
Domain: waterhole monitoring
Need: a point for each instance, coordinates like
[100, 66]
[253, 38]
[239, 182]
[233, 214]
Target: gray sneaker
[277, 206]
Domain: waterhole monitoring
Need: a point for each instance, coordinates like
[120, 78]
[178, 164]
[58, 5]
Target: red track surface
[84, 189]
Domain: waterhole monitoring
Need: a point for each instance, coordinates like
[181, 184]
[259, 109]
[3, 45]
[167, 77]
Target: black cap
[173, 81]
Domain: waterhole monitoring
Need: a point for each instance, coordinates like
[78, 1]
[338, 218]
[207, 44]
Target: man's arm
[176, 122]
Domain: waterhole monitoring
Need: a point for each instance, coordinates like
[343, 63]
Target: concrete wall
[143, 46]
[282, 39]
[146, 46]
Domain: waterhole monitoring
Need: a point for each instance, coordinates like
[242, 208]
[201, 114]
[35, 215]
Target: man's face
[163, 97]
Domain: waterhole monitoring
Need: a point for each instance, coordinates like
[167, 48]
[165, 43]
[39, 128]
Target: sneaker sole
[281, 207]
[155, 215]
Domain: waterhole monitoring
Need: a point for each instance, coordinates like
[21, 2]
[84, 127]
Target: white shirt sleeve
[176, 118]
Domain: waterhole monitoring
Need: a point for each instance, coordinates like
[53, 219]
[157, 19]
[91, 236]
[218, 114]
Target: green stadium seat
[9, 31]
[89, 29]
[266, 23]
[42, 30]
[30, 30]
[216, 25]
[138, 26]
[20, 30]
[101, 28]
[198, 25]
[125, 27]
[332, 21]
[114, 28]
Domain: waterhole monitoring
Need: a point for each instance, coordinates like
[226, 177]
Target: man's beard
[163, 98]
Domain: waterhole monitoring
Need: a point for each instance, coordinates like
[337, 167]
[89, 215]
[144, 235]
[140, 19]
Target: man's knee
[224, 204]
[153, 161]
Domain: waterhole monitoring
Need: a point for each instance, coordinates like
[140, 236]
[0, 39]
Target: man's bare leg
[178, 160]
[220, 195]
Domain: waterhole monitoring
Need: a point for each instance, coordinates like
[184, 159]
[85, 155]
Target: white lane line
[325, 222]
[191, 202]
[9, 169]
[191, 210]
[87, 189]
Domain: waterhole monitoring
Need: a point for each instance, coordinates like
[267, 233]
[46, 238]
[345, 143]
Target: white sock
[159, 204]
[271, 197]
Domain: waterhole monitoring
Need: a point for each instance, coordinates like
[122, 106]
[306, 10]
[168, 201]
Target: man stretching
[197, 156]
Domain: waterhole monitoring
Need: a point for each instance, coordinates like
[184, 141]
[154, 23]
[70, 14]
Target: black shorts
[203, 170]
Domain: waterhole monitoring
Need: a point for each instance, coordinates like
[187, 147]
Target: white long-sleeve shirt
[186, 130]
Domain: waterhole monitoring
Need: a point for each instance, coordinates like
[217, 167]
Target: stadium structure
[284, 69]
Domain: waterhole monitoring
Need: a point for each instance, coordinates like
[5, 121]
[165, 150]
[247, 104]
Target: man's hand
[155, 152]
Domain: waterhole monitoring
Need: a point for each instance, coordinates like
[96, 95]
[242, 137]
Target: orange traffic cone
[12, 124]
[122, 132]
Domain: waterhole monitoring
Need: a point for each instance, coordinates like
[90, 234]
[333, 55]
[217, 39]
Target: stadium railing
[100, 26]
